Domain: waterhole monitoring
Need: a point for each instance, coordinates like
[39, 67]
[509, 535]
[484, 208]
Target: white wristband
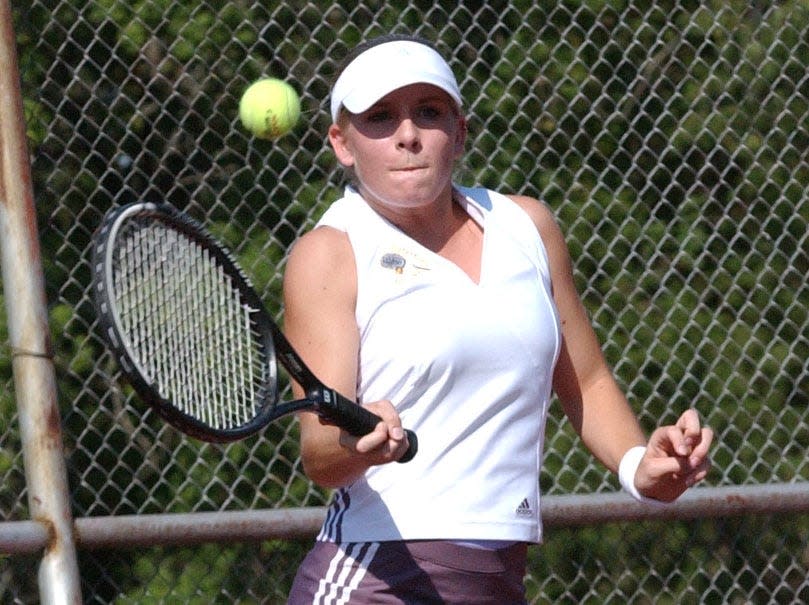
[627, 469]
[626, 473]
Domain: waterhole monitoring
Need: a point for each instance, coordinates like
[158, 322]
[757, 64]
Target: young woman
[451, 311]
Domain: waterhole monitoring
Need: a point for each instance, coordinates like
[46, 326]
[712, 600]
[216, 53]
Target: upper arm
[320, 291]
[319, 302]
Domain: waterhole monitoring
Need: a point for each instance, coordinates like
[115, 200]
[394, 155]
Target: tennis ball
[269, 108]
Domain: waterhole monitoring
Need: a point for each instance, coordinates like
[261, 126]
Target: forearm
[602, 416]
[324, 460]
[675, 457]
[334, 458]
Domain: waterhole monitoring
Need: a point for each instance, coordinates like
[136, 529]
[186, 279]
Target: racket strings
[187, 327]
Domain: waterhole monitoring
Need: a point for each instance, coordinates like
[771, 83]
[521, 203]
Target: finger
[387, 412]
[393, 423]
[689, 424]
[702, 447]
[363, 443]
[396, 433]
[661, 467]
[698, 474]
[373, 440]
[669, 441]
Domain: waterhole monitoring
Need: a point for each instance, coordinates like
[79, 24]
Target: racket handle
[357, 420]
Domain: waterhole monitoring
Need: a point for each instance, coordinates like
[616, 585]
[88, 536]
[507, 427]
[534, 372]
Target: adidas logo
[524, 509]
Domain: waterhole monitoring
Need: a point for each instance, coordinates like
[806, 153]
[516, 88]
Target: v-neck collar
[468, 205]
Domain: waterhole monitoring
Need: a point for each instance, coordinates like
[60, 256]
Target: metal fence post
[34, 377]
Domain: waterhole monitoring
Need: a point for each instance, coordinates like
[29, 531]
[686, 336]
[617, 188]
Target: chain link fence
[671, 140]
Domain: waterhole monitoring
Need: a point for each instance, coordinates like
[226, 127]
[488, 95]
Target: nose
[408, 135]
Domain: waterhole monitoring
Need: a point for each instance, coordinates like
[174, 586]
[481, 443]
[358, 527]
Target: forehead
[415, 93]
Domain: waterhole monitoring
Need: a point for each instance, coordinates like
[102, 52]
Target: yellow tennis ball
[269, 108]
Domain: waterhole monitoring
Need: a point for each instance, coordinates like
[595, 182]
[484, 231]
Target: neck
[445, 228]
[432, 225]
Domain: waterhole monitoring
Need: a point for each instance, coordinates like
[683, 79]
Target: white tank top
[468, 367]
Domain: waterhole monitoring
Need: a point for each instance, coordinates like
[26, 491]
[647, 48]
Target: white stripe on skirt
[345, 573]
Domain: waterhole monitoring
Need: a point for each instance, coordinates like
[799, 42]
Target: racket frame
[109, 322]
[323, 400]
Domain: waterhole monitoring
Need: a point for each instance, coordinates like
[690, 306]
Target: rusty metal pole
[34, 376]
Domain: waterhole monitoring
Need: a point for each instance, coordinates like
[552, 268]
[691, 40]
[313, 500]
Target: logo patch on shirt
[394, 261]
[402, 263]
[524, 509]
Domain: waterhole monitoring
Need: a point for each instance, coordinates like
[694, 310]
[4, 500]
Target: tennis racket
[192, 335]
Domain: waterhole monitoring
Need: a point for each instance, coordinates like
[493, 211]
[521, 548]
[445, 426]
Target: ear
[339, 143]
[460, 137]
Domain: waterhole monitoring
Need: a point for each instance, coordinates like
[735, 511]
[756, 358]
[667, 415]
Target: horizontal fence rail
[133, 531]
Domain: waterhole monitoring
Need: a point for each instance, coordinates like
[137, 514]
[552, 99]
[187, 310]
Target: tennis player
[450, 310]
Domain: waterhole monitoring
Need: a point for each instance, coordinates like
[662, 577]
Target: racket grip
[357, 420]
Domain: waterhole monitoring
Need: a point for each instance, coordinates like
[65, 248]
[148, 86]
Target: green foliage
[620, 554]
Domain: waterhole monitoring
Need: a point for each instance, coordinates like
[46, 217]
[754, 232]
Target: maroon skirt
[414, 572]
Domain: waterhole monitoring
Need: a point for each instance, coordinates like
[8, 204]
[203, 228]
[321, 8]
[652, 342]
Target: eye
[430, 112]
[380, 115]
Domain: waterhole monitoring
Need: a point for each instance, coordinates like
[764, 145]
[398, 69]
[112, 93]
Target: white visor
[387, 67]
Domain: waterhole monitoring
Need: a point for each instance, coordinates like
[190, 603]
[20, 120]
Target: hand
[386, 443]
[676, 458]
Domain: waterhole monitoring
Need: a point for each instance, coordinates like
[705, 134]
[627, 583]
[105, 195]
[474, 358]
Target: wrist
[628, 468]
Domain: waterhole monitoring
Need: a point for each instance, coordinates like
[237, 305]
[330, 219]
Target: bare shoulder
[321, 261]
[322, 246]
[320, 237]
